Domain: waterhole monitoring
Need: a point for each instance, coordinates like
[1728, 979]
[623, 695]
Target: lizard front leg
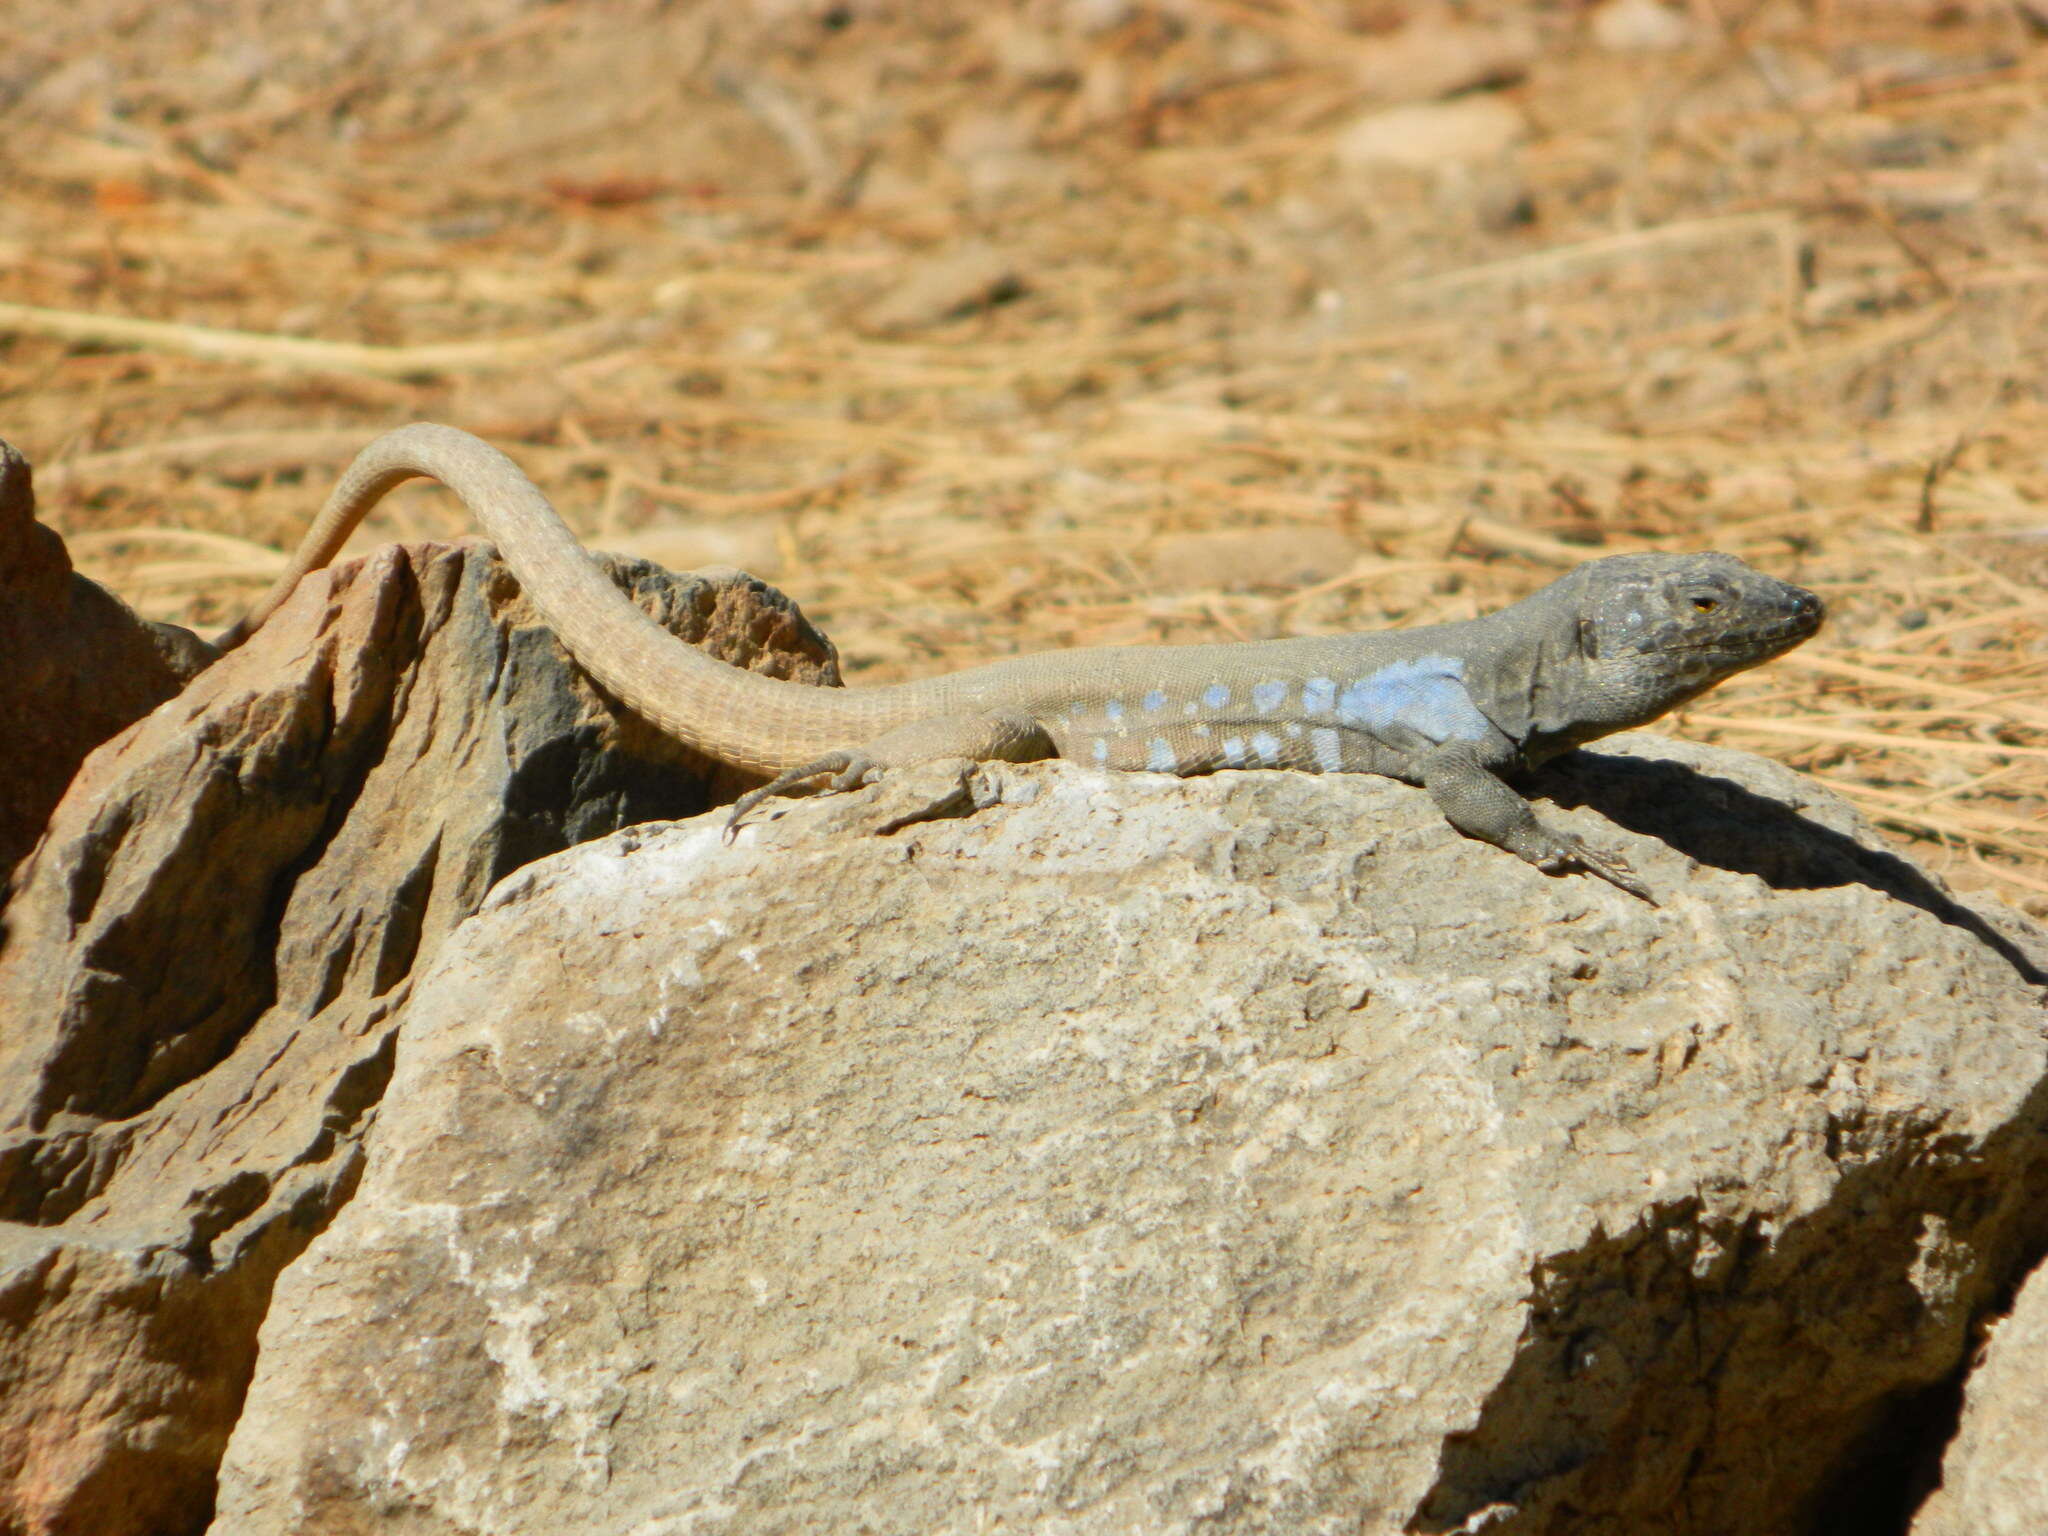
[976, 738]
[1475, 801]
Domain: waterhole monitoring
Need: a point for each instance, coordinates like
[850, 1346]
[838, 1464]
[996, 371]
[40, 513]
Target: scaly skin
[1613, 644]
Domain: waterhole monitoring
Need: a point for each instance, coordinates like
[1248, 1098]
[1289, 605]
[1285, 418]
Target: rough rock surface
[1994, 1480]
[76, 665]
[200, 970]
[1249, 1154]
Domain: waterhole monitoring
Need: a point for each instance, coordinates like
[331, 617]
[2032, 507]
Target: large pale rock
[202, 969]
[1250, 1154]
[76, 665]
[1994, 1479]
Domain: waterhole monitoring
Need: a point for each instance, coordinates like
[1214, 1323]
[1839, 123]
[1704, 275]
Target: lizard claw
[1572, 853]
[849, 770]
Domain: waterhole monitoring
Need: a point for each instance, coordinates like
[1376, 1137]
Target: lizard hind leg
[976, 738]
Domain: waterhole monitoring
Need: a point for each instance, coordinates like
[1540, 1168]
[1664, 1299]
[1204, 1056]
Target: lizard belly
[1375, 723]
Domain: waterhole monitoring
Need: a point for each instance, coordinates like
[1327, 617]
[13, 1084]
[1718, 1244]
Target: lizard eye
[1706, 604]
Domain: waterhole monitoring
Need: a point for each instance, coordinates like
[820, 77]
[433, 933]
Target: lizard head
[1656, 630]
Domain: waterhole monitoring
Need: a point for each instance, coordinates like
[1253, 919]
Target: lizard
[1612, 644]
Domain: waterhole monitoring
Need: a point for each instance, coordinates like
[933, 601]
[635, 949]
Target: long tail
[736, 716]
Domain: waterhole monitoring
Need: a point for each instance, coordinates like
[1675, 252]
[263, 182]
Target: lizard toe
[849, 770]
[1574, 853]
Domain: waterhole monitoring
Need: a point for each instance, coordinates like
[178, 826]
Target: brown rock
[203, 964]
[1429, 136]
[1641, 26]
[943, 288]
[1431, 57]
[76, 665]
[1251, 1154]
[1994, 1479]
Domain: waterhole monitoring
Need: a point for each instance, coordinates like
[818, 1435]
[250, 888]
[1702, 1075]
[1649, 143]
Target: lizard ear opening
[1589, 639]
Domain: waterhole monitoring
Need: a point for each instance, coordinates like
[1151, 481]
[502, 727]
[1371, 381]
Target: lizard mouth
[1756, 638]
[1755, 646]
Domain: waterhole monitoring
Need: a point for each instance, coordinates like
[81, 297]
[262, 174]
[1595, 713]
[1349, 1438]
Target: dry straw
[1213, 377]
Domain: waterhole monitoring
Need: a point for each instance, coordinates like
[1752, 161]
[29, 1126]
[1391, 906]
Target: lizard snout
[1806, 610]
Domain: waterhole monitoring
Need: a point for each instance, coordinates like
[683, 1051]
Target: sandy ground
[994, 327]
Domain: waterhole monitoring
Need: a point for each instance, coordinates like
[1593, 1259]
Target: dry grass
[993, 328]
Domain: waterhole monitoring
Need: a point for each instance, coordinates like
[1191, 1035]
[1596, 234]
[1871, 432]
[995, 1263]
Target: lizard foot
[849, 770]
[1569, 853]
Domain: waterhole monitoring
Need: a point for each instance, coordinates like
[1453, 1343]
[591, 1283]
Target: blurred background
[1001, 326]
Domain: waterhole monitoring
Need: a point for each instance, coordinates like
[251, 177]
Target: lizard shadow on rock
[1719, 822]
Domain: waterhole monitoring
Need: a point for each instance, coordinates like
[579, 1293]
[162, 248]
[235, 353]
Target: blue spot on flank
[1268, 697]
[1268, 748]
[1156, 699]
[1329, 750]
[1101, 750]
[1114, 709]
[1318, 695]
[1424, 695]
[1233, 751]
[1159, 755]
[1215, 696]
